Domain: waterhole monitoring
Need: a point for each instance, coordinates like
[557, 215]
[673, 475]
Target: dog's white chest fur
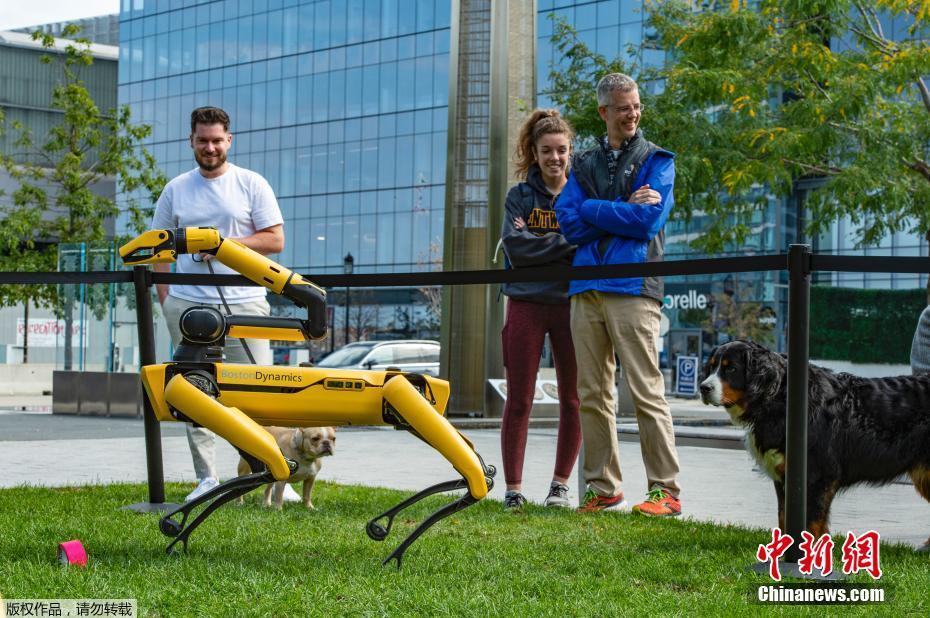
[770, 461]
[736, 413]
[305, 470]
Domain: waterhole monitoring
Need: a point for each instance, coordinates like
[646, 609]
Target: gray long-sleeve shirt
[920, 346]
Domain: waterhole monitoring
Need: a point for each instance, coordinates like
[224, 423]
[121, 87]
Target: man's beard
[209, 167]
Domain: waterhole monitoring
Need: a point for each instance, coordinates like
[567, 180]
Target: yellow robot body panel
[262, 332]
[311, 407]
[313, 396]
[281, 396]
[153, 380]
[227, 422]
[303, 397]
[198, 239]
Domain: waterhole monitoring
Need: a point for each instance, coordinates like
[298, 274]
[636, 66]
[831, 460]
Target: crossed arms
[584, 220]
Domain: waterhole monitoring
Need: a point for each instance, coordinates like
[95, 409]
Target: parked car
[414, 355]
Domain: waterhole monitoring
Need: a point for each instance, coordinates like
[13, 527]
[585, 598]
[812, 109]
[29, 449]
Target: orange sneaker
[659, 503]
[594, 502]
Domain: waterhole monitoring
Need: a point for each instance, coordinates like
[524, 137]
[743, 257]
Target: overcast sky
[19, 13]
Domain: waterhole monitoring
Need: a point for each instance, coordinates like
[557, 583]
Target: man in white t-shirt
[241, 205]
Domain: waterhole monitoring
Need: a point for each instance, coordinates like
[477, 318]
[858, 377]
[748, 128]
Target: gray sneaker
[558, 495]
[514, 501]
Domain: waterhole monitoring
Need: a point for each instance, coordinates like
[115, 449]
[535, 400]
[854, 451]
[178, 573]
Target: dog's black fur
[860, 430]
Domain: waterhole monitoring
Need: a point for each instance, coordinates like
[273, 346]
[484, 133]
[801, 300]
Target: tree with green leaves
[54, 202]
[757, 96]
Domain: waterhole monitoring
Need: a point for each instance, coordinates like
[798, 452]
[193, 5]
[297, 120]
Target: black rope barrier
[560, 273]
[460, 277]
[869, 264]
[704, 266]
[65, 278]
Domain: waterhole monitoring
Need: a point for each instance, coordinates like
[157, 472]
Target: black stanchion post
[799, 289]
[799, 293]
[142, 280]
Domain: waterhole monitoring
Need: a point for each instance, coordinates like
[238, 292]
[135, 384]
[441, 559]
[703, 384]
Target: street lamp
[348, 265]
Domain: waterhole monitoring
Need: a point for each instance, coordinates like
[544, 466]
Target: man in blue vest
[614, 208]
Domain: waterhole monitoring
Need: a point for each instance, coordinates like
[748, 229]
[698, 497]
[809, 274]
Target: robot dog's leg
[434, 429]
[217, 497]
[401, 395]
[229, 423]
[453, 507]
[243, 433]
[378, 532]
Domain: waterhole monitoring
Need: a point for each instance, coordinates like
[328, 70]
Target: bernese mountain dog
[860, 430]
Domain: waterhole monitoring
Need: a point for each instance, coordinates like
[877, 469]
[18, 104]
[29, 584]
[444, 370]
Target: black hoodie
[540, 243]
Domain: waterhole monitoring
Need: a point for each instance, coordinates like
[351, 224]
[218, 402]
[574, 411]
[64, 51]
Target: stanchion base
[150, 507]
[791, 569]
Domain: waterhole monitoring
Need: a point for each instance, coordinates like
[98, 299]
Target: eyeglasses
[626, 110]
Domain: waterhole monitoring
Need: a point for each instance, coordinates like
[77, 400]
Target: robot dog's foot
[453, 507]
[376, 531]
[216, 497]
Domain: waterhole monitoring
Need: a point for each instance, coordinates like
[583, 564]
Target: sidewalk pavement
[30, 403]
[718, 484]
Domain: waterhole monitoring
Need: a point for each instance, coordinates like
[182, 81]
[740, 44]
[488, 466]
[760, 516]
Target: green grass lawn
[249, 561]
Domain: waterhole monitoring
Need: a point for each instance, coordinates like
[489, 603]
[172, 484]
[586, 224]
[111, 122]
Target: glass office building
[340, 104]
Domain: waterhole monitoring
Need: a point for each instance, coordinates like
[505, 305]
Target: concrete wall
[97, 393]
[31, 379]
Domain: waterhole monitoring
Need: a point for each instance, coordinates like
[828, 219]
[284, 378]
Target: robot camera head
[203, 325]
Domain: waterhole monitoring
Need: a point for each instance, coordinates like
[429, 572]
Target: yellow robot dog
[235, 401]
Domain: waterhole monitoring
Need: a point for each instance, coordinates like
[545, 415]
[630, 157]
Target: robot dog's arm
[163, 246]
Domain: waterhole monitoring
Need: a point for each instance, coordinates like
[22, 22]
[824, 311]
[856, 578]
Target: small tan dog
[306, 446]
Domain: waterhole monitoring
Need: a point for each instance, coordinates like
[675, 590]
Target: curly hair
[541, 122]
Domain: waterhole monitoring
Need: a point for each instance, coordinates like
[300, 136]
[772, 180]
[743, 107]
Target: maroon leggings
[524, 331]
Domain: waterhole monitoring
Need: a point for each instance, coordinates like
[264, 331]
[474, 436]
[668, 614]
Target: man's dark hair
[209, 115]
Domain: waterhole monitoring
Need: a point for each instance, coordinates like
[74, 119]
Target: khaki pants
[202, 441]
[604, 325]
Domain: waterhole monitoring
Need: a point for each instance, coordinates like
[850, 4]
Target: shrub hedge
[864, 325]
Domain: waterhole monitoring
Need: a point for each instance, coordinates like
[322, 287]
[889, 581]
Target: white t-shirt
[238, 204]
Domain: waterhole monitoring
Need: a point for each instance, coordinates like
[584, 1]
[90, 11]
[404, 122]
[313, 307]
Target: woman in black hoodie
[531, 237]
